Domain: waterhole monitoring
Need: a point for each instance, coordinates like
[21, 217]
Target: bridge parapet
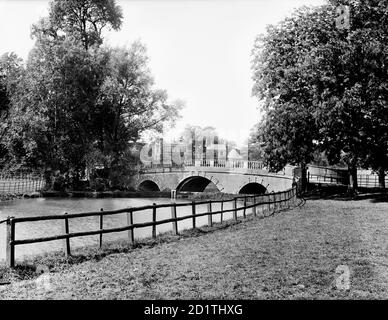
[228, 164]
[237, 166]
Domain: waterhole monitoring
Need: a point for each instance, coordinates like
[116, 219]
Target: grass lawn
[290, 255]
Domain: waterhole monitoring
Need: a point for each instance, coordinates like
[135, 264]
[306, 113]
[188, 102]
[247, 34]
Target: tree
[53, 113]
[51, 124]
[11, 72]
[330, 80]
[128, 104]
[255, 144]
[79, 102]
[282, 81]
[354, 93]
[79, 20]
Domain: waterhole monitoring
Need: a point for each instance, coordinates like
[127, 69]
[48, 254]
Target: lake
[50, 206]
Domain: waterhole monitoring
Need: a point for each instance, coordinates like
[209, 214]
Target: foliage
[80, 21]
[128, 104]
[323, 88]
[255, 144]
[11, 71]
[51, 117]
[77, 104]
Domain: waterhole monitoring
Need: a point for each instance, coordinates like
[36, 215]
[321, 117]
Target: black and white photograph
[206, 151]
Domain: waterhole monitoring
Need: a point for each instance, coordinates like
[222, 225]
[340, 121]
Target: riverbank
[117, 194]
[14, 196]
[8, 197]
[291, 255]
[135, 194]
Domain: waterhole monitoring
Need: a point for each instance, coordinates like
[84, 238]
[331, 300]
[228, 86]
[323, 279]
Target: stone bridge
[234, 177]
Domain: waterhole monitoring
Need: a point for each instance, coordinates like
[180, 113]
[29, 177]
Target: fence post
[173, 216]
[261, 212]
[235, 209]
[245, 207]
[288, 199]
[10, 249]
[67, 240]
[281, 200]
[101, 225]
[209, 217]
[254, 206]
[193, 212]
[293, 196]
[269, 203]
[280, 203]
[154, 220]
[129, 223]
[274, 202]
[222, 211]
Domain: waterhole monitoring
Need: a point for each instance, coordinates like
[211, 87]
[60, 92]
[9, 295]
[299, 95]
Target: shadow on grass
[342, 193]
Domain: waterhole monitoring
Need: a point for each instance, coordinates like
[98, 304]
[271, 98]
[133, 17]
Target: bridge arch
[253, 188]
[148, 185]
[197, 184]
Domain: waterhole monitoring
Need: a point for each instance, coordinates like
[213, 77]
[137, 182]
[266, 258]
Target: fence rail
[268, 203]
[328, 178]
[363, 180]
[370, 180]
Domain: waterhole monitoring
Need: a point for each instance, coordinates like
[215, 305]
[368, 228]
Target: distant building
[234, 155]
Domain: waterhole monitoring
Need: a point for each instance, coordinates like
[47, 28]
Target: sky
[199, 50]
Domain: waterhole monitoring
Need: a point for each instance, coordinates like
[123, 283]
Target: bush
[59, 183]
[99, 184]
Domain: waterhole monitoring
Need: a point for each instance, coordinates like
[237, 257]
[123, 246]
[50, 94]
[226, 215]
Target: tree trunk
[381, 177]
[303, 177]
[353, 185]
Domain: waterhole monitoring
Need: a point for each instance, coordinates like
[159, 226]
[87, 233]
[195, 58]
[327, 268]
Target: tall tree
[128, 104]
[255, 144]
[11, 73]
[79, 20]
[79, 102]
[61, 87]
[333, 77]
[282, 81]
[353, 89]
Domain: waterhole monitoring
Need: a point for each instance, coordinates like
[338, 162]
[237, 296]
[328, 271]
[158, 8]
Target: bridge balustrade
[253, 165]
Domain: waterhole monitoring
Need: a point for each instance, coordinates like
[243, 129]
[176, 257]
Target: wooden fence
[370, 180]
[20, 183]
[327, 178]
[258, 204]
[363, 180]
